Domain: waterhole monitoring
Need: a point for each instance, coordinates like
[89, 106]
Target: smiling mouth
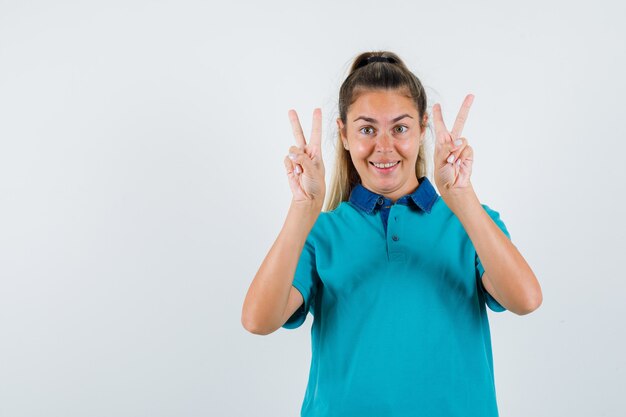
[385, 166]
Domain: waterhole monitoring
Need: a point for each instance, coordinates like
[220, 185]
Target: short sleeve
[491, 302]
[306, 281]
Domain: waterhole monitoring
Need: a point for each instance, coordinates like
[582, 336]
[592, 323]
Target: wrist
[461, 200]
[302, 215]
[306, 207]
[306, 211]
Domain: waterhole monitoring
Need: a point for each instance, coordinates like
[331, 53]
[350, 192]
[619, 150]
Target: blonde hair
[365, 75]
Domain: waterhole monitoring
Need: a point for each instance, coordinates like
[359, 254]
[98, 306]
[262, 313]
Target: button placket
[394, 249]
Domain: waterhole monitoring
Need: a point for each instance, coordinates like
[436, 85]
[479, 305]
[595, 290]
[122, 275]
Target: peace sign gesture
[453, 156]
[304, 164]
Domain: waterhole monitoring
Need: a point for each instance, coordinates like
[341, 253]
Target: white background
[142, 183]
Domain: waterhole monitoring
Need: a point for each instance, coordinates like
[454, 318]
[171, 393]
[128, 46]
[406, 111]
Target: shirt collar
[423, 197]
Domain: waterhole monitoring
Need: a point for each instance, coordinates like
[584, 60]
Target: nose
[384, 143]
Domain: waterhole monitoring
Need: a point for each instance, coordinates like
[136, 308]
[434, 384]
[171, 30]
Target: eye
[366, 130]
[401, 129]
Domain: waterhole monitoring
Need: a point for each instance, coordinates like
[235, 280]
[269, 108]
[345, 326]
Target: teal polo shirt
[400, 324]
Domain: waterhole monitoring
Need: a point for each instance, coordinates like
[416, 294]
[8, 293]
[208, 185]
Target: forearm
[508, 272]
[268, 294]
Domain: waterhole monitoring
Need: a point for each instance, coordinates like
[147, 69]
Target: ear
[342, 133]
[425, 123]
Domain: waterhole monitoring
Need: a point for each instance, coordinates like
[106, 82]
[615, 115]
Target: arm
[266, 301]
[270, 293]
[507, 277]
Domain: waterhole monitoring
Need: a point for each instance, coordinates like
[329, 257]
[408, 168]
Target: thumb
[302, 159]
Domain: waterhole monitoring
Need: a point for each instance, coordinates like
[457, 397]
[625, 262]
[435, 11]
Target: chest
[420, 256]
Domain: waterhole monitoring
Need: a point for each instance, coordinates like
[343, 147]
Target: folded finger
[466, 153]
[454, 150]
[297, 151]
[288, 165]
[458, 144]
[299, 158]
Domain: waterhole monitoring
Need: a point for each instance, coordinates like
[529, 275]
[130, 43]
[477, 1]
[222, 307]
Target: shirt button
[395, 238]
[380, 201]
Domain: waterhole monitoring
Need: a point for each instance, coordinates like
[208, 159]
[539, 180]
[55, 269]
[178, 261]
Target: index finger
[297, 129]
[462, 116]
[441, 132]
[316, 129]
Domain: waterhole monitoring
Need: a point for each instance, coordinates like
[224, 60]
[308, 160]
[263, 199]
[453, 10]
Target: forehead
[382, 104]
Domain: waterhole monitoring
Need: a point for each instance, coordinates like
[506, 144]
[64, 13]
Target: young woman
[397, 276]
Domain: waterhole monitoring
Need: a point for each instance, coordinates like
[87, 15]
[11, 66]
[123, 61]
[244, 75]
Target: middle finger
[457, 129]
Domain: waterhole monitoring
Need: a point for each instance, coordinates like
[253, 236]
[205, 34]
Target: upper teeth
[387, 165]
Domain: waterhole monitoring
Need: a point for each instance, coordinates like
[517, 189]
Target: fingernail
[298, 170]
[292, 156]
[451, 158]
[458, 162]
[458, 142]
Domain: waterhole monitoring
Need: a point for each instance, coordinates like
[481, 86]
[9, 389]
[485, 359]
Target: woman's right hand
[304, 164]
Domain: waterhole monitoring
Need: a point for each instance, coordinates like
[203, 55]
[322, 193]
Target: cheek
[361, 149]
[408, 148]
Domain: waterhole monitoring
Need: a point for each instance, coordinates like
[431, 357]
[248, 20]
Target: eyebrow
[370, 120]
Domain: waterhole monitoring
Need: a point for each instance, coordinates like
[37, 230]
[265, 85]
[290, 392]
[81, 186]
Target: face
[383, 135]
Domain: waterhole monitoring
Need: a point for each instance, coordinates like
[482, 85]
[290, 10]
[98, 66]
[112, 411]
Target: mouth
[385, 167]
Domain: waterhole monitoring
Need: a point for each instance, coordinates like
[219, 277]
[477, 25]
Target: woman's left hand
[453, 156]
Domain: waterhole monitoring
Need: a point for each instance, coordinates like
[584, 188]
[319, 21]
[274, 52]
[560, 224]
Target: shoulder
[443, 215]
[333, 221]
[344, 210]
[441, 208]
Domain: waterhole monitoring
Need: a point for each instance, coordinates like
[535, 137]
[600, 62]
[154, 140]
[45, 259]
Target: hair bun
[376, 58]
